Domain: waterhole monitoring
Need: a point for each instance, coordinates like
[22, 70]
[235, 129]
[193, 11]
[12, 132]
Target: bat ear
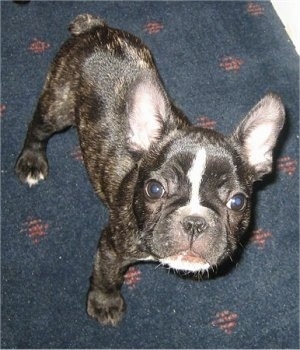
[147, 110]
[258, 132]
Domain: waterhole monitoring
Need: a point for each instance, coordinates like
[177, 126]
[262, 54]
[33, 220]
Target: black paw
[31, 167]
[108, 309]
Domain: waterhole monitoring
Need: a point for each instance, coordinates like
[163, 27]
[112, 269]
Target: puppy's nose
[194, 225]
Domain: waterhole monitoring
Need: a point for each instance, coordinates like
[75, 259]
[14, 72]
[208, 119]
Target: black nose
[194, 225]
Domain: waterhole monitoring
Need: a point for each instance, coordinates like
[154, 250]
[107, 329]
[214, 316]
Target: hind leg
[52, 115]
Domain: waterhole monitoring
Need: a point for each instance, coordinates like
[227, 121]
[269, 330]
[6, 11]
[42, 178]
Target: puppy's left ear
[258, 132]
[147, 110]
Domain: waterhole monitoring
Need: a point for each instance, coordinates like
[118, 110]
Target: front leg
[105, 302]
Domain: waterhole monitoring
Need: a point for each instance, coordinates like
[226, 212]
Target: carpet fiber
[217, 60]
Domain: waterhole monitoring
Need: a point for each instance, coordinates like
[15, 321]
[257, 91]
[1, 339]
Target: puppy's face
[193, 201]
[192, 198]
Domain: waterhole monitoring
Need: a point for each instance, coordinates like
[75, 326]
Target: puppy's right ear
[147, 110]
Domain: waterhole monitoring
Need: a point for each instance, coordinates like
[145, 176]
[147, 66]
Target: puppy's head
[192, 199]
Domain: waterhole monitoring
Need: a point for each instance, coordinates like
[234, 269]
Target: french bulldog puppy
[176, 193]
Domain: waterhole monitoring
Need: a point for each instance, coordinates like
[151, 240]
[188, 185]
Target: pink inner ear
[143, 133]
[147, 111]
[259, 132]
[259, 144]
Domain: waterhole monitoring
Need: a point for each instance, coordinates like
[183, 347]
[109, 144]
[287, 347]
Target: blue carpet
[216, 59]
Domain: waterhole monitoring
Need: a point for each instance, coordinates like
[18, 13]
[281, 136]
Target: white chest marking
[195, 175]
[180, 264]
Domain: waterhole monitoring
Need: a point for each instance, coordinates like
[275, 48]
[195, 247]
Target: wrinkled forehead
[196, 159]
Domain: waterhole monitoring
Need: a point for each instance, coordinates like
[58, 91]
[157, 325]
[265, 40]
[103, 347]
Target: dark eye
[237, 202]
[154, 189]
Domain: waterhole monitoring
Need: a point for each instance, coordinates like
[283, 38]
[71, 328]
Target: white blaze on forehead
[195, 175]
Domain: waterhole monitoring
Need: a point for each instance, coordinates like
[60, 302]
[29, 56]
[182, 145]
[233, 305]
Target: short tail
[85, 22]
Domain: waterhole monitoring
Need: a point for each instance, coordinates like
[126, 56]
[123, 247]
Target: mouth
[186, 261]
